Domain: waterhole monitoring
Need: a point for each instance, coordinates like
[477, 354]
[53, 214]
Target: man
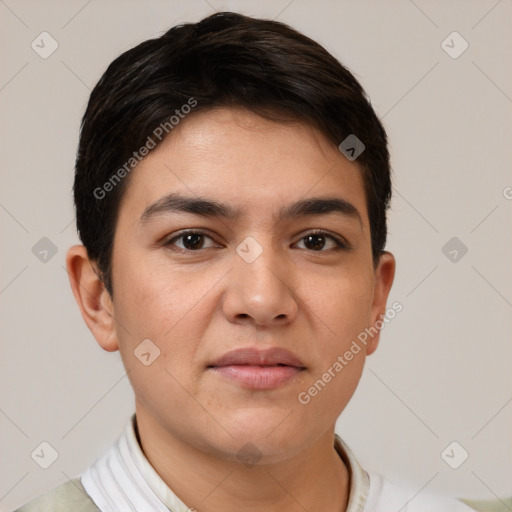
[231, 188]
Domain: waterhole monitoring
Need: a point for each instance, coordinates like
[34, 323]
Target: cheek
[343, 307]
[153, 297]
[157, 338]
[329, 392]
[342, 313]
[340, 361]
[172, 309]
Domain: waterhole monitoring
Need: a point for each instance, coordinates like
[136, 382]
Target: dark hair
[226, 59]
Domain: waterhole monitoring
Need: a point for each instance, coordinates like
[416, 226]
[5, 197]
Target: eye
[317, 240]
[191, 240]
[194, 241]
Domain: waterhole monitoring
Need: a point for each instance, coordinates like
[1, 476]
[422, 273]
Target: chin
[272, 437]
[251, 452]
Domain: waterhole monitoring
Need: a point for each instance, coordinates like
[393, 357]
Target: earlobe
[384, 275]
[92, 298]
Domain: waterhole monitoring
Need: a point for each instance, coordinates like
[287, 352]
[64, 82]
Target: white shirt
[123, 480]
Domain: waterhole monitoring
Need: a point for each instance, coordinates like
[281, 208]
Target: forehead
[242, 159]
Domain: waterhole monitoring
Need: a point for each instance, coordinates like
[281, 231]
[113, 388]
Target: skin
[196, 305]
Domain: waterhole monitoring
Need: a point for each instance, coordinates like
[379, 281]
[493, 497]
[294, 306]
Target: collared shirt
[123, 480]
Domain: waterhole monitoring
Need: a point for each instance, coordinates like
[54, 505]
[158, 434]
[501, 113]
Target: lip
[258, 369]
[258, 357]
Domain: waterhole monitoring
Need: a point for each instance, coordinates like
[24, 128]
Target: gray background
[442, 370]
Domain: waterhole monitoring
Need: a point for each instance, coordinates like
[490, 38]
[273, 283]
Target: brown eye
[190, 240]
[318, 240]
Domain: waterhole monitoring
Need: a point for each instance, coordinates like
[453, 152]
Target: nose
[261, 291]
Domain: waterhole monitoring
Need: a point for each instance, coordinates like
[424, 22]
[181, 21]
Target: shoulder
[385, 495]
[69, 496]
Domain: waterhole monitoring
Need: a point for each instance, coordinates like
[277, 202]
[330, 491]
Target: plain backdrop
[442, 372]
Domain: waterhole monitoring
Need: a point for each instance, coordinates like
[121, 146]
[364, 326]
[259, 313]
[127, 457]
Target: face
[287, 289]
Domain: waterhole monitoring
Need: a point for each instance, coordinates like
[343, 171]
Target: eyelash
[340, 243]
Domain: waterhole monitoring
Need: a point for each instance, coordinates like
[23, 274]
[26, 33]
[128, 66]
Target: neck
[315, 479]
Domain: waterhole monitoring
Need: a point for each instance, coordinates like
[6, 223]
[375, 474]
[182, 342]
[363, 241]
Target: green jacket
[67, 497]
[71, 497]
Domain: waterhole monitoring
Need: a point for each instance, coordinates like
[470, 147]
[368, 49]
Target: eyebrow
[206, 207]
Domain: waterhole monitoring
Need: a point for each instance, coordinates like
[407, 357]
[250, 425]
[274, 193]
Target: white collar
[124, 480]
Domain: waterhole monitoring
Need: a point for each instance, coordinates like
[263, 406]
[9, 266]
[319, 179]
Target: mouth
[258, 369]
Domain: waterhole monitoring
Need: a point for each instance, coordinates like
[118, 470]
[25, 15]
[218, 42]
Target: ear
[92, 297]
[384, 275]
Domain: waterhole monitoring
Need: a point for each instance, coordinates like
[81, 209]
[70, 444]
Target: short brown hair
[226, 59]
